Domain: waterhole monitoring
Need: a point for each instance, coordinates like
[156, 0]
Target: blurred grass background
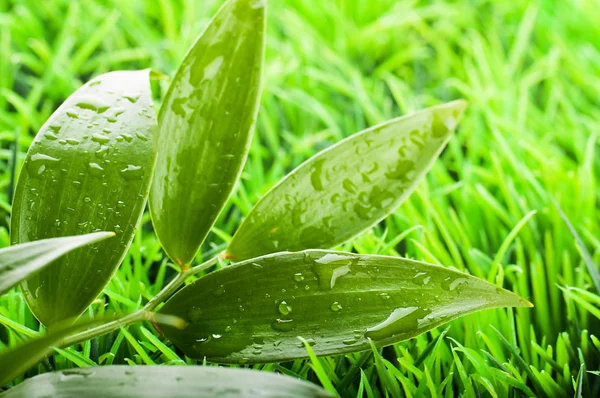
[531, 73]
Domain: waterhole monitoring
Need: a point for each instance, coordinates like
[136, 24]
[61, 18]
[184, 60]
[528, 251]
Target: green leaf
[20, 261]
[88, 170]
[17, 361]
[163, 381]
[348, 187]
[255, 310]
[205, 127]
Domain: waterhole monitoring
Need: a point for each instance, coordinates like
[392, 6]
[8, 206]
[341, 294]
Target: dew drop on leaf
[298, 277]
[132, 172]
[284, 308]
[102, 139]
[399, 321]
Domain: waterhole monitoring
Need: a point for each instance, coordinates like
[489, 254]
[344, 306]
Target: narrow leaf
[17, 361]
[20, 261]
[348, 187]
[255, 310]
[164, 381]
[205, 127]
[88, 170]
[587, 258]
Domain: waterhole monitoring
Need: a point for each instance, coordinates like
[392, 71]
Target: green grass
[531, 73]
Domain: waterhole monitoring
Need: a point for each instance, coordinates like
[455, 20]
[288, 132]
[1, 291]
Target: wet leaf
[20, 261]
[255, 311]
[348, 187]
[88, 170]
[205, 127]
[164, 381]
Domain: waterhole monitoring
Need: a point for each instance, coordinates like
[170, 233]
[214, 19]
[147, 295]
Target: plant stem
[145, 313]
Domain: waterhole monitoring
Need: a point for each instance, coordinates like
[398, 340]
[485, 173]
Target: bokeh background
[531, 73]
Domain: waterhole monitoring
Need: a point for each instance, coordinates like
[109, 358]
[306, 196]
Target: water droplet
[93, 103]
[51, 135]
[283, 325]
[96, 166]
[317, 175]
[132, 172]
[75, 374]
[284, 308]
[102, 139]
[219, 291]
[401, 320]
[298, 277]
[454, 284]
[72, 141]
[331, 267]
[41, 156]
[349, 186]
[421, 278]
[335, 307]
[401, 170]
[133, 98]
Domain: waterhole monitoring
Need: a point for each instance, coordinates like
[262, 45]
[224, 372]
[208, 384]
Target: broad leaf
[348, 187]
[164, 381]
[88, 170]
[15, 362]
[20, 261]
[256, 310]
[205, 127]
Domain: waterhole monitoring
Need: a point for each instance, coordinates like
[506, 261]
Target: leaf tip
[527, 303]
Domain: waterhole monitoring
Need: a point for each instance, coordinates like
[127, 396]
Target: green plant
[203, 137]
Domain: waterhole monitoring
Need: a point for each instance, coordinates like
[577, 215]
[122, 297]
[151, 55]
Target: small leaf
[255, 310]
[164, 381]
[205, 127]
[17, 361]
[348, 187]
[20, 261]
[88, 170]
